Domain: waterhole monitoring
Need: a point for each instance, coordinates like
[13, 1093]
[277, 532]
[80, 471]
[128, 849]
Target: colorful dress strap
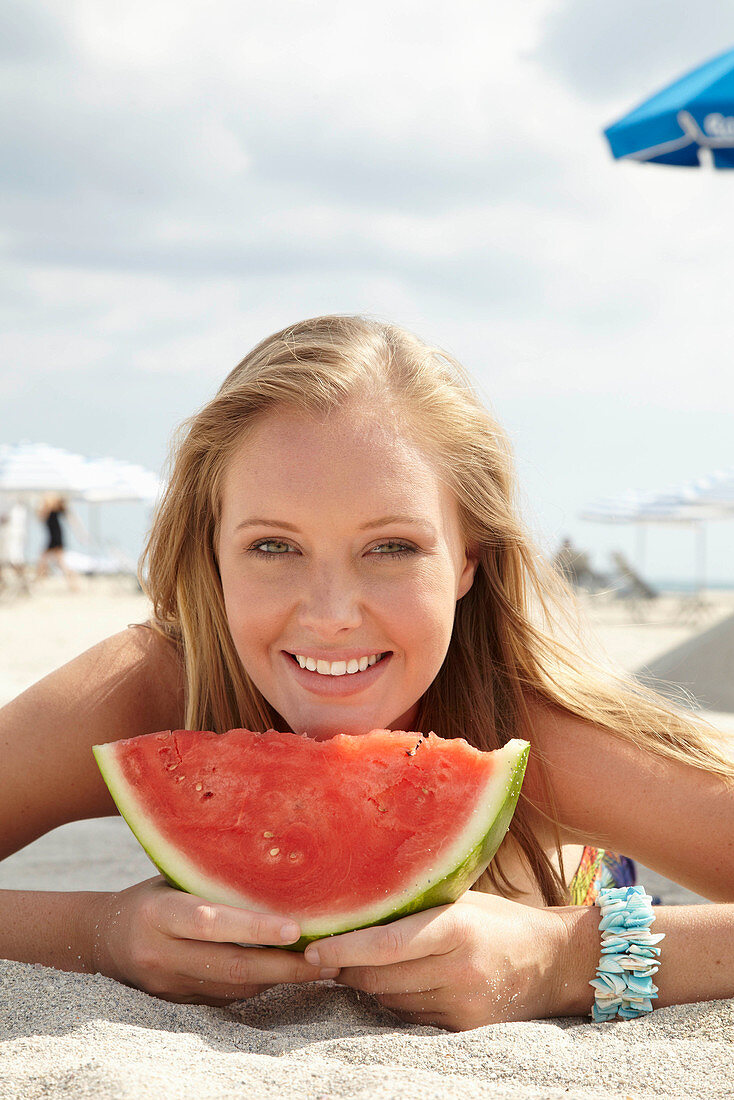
[599, 868]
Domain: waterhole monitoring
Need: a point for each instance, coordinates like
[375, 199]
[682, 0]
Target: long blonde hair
[504, 648]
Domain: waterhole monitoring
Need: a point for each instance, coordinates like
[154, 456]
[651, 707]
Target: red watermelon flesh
[336, 834]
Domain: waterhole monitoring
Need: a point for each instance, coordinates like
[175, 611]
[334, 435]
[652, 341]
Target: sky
[179, 181]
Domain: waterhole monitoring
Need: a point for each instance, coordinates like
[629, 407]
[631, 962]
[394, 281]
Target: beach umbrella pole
[640, 547]
[700, 529]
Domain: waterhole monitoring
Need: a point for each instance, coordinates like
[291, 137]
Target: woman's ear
[466, 579]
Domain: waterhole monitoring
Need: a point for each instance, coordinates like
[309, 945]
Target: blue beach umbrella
[693, 113]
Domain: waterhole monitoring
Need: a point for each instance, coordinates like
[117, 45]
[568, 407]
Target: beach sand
[75, 1035]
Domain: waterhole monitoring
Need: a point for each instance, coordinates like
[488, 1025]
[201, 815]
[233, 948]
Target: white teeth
[337, 668]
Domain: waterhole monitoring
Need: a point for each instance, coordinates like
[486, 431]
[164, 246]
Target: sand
[85, 1036]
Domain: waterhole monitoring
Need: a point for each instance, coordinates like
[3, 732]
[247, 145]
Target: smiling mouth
[337, 668]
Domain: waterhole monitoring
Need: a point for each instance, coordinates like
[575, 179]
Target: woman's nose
[330, 605]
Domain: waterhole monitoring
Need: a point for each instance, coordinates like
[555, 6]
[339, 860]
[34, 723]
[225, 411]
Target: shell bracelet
[623, 984]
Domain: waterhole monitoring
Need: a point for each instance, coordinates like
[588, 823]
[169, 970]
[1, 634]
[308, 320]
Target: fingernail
[329, 972]
[289, 932]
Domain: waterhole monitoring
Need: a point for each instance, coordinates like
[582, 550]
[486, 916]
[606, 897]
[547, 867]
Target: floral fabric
[599, 868]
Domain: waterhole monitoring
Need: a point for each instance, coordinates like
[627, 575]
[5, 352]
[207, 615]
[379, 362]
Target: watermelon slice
[336, 834]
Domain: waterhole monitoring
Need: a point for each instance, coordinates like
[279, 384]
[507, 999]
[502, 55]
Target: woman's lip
[345, 655]
[348, 684]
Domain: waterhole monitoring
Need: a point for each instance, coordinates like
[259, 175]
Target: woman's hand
[482, 960]
[181, 948]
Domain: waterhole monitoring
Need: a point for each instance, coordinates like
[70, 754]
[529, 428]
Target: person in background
[53, 508]
[13, 524]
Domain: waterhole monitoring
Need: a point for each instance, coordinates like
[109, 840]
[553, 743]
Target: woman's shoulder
[141, 669]
[613, 791]
[136, 674]
[127, 685]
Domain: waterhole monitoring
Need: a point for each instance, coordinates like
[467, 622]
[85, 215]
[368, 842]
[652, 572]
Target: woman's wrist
[579, 945]
[53, 928]
[696, 961]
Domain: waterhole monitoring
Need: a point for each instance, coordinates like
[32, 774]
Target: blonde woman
[345, 495]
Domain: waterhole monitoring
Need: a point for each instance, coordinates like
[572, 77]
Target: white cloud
[608, 51]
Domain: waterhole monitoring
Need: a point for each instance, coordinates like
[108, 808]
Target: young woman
[346, 496]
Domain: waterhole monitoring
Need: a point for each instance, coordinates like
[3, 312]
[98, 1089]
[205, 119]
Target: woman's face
[341, 561]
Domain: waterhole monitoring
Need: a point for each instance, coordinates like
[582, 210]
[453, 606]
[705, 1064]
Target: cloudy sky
[178, 181]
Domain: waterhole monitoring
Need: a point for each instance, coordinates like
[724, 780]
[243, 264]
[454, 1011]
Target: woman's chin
[320, 731]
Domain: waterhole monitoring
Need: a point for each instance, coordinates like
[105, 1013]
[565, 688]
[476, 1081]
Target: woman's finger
[417, 976]
[185, 916]
[427, 1002]
[228, 968]
[432, 932]
[415, 1009]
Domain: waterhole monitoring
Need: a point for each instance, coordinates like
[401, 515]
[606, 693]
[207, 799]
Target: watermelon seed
[208, 794]
[274, 851]
[199, 786]
[293, 856]
[268, 835]
[171, 767]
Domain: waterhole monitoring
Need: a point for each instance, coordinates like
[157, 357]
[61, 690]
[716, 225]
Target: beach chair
[575, 567]
[629, 583]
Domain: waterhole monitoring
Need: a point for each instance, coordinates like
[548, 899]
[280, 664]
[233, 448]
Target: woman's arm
[125, 686]
[673, 818]
[76, 525]
[696, 959]
[149, 935]
[486, 960]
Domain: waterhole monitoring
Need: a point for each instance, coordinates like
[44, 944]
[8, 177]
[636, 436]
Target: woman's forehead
[352, 455]
[347, 432]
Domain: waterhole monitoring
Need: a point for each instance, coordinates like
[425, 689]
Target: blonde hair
[505, 647]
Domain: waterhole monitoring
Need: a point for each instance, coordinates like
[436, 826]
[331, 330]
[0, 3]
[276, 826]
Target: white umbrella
[112, 480]
[28, 470]
[716, 492]
[691, 503]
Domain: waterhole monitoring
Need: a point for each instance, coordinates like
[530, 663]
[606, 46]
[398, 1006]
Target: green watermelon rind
[461, 868]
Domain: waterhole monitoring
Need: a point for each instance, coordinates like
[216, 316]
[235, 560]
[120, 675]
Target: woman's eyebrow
[258, 521]
[386, 521]
[383, 521]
